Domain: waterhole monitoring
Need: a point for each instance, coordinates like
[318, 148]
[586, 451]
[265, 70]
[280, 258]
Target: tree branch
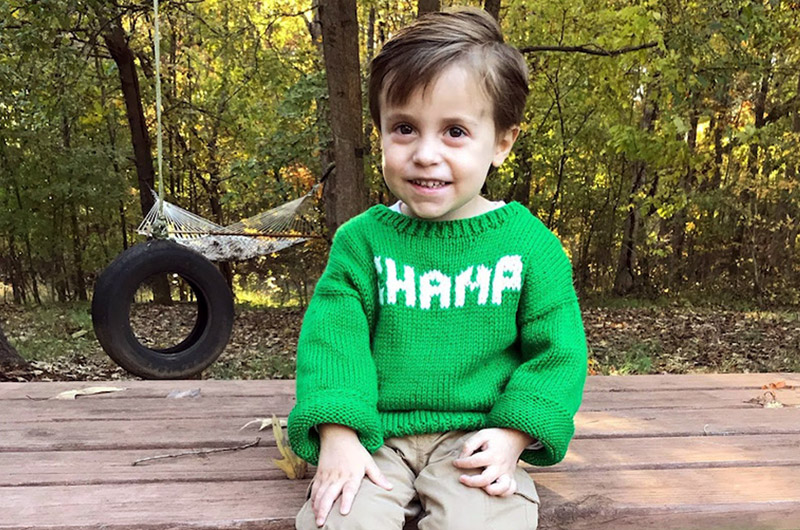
[589, 49]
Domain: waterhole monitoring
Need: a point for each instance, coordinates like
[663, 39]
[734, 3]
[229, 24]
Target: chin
[432, 215]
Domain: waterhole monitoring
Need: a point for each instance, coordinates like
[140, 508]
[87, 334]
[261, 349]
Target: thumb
[375, 475]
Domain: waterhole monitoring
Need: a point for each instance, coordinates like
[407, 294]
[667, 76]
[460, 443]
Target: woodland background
[661, 137]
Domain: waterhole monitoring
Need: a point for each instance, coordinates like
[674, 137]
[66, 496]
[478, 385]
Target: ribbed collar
[469, 227]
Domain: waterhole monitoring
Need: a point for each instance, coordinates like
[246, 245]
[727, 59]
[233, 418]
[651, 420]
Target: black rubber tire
[113, 296]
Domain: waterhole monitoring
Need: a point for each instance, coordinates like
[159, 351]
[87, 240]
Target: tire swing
[183, 243]
[114, 294]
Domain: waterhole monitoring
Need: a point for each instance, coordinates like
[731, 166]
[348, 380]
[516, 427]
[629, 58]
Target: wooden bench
[666, 452]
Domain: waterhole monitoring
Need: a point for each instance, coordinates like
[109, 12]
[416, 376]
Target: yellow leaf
[263, 423]
[294, 467]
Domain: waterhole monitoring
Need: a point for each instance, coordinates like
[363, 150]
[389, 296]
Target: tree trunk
[493, 8]
[122, 54]
[17, 279]
[345, 191]
[7, 166]
[112, 140]
[679, 220]
[747, 197]
[624, 280]
[326, 156]
[428, 6]
[9, 357]
[114, 37]
[80, 282]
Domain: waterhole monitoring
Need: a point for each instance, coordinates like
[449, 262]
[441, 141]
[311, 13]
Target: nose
[426, 152]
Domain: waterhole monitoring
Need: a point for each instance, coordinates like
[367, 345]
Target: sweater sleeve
[336, 376]
[545, 391]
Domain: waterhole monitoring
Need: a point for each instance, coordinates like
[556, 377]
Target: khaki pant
[426, 485]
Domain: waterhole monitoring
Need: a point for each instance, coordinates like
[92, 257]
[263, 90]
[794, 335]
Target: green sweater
[418, 327]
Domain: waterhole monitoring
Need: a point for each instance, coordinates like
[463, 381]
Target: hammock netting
[268, 232]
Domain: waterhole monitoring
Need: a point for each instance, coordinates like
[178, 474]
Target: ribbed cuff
[332, 408]
[541, 418]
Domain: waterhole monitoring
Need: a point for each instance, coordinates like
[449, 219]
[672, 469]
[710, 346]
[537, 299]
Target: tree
[428, 6]
[345, 191]
[9, 358]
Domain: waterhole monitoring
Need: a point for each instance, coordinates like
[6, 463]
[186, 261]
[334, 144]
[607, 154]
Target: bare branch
[589, 49]
[197, 453]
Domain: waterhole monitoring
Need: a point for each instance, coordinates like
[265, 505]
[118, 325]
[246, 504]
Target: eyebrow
[402, 116]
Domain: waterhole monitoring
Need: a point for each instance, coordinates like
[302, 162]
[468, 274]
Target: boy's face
[438, 146]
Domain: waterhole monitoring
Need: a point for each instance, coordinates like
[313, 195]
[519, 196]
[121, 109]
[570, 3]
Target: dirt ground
[61, 345]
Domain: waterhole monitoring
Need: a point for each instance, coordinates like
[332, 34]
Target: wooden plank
[662, 382]
[584, 456]
[733, 398]
[650, 423]
[255, 388]
[596, 514]
[600, 454]
[136, 389]
[115, 467]
[764, 497]
[128, 434]
[244, 504]
[249, 407]
[741, 498]
[224, 431]
[91, 409]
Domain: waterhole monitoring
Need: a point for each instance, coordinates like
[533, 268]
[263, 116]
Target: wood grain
[650, 452]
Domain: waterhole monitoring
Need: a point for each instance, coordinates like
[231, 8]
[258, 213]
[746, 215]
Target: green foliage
[245, 129]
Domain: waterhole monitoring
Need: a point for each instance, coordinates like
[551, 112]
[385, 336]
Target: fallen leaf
[79, 334]
[92, 390]
[766, 400]
[294, 467]
[263, 423]
[777, 386]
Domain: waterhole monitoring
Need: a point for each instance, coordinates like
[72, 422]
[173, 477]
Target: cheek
[391, 158]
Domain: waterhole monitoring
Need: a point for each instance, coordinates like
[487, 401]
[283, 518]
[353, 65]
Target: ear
[503, 144]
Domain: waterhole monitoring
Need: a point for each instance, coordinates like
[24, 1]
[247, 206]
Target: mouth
[429, 183]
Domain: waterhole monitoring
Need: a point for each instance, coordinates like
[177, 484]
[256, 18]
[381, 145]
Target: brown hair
[418, 53]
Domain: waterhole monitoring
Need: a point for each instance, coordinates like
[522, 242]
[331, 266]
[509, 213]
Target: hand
[498, 452]
[343, 463]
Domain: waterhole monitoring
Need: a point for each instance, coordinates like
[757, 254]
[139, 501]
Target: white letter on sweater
[407, 285]
[434, 283]
[464, 281]
[512, 282]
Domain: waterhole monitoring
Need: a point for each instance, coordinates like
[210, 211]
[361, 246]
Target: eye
[404, 128]
[456, 132]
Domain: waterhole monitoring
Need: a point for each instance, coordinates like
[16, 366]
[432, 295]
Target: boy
[444, 340]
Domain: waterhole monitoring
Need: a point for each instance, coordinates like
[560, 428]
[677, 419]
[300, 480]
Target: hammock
[268, 232]
[262, 234]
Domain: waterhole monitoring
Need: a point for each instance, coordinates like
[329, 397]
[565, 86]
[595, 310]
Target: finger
[499, 486]
[488, 476]
[314, 490]
[481, 459]
[376, 475]
[348, 494]
[473, 443]
[512, 489]
[326, 502]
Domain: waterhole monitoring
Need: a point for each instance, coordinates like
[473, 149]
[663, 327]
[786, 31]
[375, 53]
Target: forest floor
[59, 342]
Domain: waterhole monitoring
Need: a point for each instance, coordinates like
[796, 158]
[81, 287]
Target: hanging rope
[157, 37]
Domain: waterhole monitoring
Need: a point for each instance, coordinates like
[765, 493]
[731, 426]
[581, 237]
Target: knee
[512, 513]
[360, 518]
